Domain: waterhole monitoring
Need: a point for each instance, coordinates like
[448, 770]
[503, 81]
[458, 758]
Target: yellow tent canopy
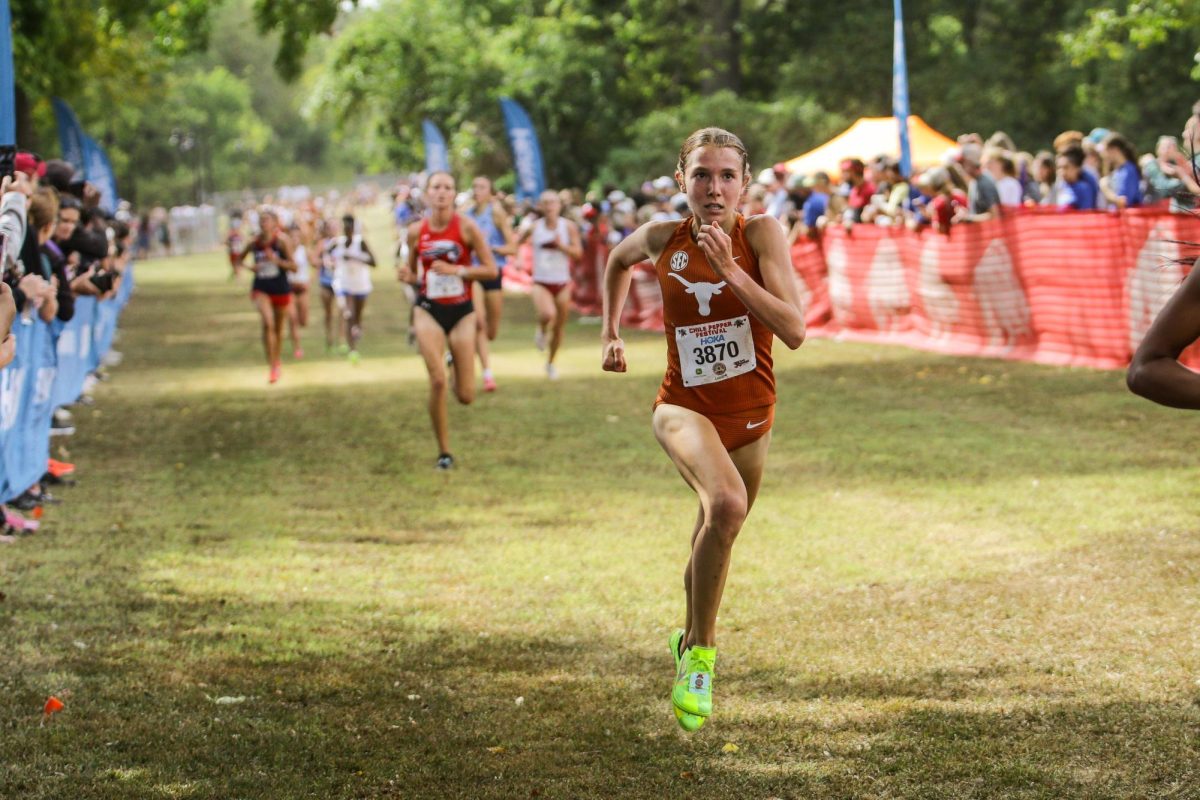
[870, 137]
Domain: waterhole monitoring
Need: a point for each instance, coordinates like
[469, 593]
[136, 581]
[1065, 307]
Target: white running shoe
[552, 372]
[539, 339]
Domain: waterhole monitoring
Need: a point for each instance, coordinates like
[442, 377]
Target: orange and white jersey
[718, 353]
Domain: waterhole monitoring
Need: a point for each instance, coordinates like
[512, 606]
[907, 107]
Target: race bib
[715, 351]
[264, 268]
[438, 286]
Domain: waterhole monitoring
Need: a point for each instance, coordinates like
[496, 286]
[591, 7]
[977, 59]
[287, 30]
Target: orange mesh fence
[1073, 288]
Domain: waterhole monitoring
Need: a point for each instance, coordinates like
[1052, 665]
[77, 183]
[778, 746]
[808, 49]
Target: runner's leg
[431, 341]
[494, 300]
[280, 315]
[693, 445]
[266, 316]
[543, 305]
[562, 306]
[482, 319]
[462, 346]
[328, 306]
[293, 322]
[748, 461]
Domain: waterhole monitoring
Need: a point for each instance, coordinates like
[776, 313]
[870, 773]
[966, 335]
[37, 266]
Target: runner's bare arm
[407, 273]
[486, 270]
[504, 224]
[777, 302]
[287, 263]
[1155, 372]
[645, 243]
[574, 247]
[367, 252]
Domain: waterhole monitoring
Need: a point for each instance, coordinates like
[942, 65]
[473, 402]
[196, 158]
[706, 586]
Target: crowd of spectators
[57, 244]
[980, 180]
[976, 180]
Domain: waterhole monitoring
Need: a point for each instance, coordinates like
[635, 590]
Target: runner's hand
[614, 355]
[717, 247]
[444, 267]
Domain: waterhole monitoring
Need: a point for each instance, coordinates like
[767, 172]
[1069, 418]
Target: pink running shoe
[489, 384]
[275, 372]
[299, 353]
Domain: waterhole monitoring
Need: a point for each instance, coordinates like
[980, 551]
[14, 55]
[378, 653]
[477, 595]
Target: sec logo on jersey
[679, 261]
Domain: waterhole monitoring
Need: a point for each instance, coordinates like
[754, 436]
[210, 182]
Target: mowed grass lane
[964, 578]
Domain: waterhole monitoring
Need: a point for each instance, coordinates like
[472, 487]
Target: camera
[8, 160]
[103, 280]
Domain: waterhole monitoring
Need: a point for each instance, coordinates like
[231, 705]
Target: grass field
[963, 579]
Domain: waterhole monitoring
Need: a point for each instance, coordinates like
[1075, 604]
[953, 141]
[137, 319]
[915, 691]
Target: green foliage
[611, 85]
[771, 132]
[296, 22]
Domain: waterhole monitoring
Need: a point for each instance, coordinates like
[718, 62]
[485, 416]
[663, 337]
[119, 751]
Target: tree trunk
[26, 135]
[721, 48]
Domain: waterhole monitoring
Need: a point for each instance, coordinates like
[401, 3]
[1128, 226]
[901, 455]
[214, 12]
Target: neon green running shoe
[689, 722]
[693, 681]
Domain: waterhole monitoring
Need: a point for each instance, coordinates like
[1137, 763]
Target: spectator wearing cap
[1080, 190]
[31, 164]
[1124, 178]
[34, 169]
[983, 198]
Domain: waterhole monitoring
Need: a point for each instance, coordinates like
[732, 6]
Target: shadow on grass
[405, 712]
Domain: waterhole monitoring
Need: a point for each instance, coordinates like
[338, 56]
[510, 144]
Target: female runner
[489, 215]
[555, 241]
[304, 239]
[352, 280]
[728, 289]
[439, 263]
[271, 291]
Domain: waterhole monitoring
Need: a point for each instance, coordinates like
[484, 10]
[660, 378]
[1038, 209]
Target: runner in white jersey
[352, 280]
[555, 241]
[302, 236]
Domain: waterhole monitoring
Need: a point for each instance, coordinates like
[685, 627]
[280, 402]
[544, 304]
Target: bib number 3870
[715, 351]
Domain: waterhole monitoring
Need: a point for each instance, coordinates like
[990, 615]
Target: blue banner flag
[900, 90]
[436, 157]
[527, 153]
[25, 407]
[8, 101]
[70, 135]
[98, 172]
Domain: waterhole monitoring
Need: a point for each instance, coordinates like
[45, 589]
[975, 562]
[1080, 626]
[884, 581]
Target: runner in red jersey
[728, 289]
[439, 263]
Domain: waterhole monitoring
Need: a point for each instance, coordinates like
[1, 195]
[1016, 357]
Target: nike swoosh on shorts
[752, 425]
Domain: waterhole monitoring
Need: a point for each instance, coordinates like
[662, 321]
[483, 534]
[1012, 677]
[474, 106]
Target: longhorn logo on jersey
[702, 291]
[444, 249]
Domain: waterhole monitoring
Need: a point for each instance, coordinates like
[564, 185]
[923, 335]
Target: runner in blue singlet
[493, 221]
